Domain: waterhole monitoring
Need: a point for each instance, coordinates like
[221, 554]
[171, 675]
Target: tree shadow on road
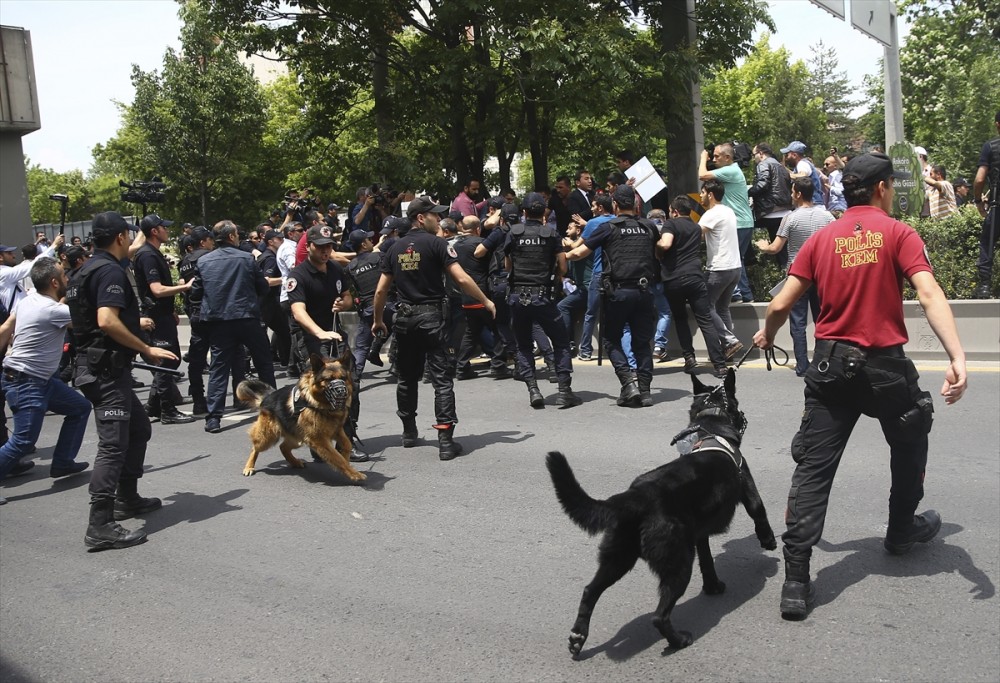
[191, 508]
[869, 557]
[743, 567]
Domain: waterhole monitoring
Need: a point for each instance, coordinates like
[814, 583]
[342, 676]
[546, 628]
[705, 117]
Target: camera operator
[375, 204]
[314, 220]
[295, 207]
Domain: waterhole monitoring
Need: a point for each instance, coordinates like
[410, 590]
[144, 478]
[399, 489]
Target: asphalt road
[469, 570]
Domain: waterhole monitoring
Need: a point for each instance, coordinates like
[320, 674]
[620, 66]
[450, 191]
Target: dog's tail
[590, 515]
[253, 391]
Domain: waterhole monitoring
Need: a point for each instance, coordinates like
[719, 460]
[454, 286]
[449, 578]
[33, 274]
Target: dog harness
[335, 394]
[688, 442]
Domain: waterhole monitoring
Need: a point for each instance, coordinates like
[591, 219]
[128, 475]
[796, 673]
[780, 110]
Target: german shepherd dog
[669, 513]
[311, 412]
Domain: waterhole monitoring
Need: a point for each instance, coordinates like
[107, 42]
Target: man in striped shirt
[795, 229]
[940, 193]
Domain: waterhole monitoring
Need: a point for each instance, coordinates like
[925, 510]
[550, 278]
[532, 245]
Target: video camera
[144, 191]
[742, 153]
[382, 195]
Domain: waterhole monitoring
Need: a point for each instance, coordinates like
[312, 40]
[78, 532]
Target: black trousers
[123, 430]
[477, 320]
[988, 238]
[772, 225]
[546, 316]
[691, 290]
[424, 338]
[885, 389]
[635, 308]
[227, 337]
[164, 336]
[276, 320]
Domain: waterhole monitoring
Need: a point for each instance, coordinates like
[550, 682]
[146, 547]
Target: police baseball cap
[183, 243]
[794, 146]
[510, 213]
[624, 196]
[153, 221]
[869, 169]
[200, 233]
[332, 207]
[320, 235]
[496, 202]
[358, 237]
[109, 224]
[961, 182]
[424, 205]
[534, 203]
[394, 223]
[271, 234]
[4, 248]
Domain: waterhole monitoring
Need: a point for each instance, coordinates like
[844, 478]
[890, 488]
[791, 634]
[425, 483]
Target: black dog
[668, 513]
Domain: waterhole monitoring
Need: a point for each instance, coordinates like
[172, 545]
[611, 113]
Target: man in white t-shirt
[718, 225]
[30, 373]
[728, 172]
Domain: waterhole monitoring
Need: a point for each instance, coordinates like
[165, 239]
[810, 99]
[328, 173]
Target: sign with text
[874, 18]
[909, 199]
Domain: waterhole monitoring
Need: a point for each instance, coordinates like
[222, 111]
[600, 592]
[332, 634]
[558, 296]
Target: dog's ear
[316, 361]
[730, 382]
[346, 359]
[699, 388]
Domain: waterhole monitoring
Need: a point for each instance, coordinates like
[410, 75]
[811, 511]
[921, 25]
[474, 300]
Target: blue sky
[84, 51]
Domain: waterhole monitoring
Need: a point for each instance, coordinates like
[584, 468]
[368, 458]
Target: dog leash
[769, 357]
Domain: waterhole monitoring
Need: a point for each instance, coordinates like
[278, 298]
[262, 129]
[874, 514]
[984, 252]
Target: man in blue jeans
[38, 325]
[603, 212]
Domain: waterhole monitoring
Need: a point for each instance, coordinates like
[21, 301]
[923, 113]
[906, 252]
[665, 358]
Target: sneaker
[585, 357]
[690, 364]
[747, 299]
[736, 298]
[923, 528]
[213, 425]
[660, 355]
[982, 292]
[66, 470]
[732, 349]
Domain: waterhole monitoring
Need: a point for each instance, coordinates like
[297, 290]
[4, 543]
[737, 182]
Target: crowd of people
[503, 277]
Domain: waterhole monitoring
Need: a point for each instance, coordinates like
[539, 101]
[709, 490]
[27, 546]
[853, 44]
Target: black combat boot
[128, 502]
[797, 592]
[411, 437]
[448, 449]
[103, 533]
[567, 399]
[375, 352]
[152, 407]
[200, 406]
[645, 396]
[169, 415]
[924, 527]
[550, 365]
[630, 391]
[535, 397]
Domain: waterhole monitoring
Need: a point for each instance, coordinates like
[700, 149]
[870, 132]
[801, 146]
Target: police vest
[532, 254]
[364, 273]
[83, 312]
[629, 253]
[994, 173]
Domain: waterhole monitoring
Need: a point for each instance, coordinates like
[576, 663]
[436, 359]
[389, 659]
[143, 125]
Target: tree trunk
[685, 135]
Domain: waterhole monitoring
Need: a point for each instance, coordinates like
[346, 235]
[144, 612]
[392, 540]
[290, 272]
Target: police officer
[363, 272]
[535, 260]
[202, 242]
[629, 271]
[104, 305]
[858, 366]
[505, 344]
[157, 291]
[988, 171]
[416, 263]
[477, 318]
[393, 228]
[273, 317]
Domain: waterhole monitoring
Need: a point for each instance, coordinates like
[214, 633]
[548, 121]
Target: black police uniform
[364, 272]
[505, 344]
[270, 305]
[629, 271]
[533, 248]
[477, 317]
[308, 285]
[102, 375]
[417, 264]
[197, 357]
[990, 232]
[151, 266]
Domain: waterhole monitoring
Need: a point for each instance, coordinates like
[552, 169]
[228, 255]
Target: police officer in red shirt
[859, 367]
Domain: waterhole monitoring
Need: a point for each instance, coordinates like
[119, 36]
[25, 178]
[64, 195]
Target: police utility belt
[609, 284]
[853, 358]
[105, 363]
[528, 294]
[416, 309]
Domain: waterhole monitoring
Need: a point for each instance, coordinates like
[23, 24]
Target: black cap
[456, 215]
[152, 221]
[271, 234]
[624, 196]
[961, 182]
[358, 237]
[109, 224]
[510, 213]
[200, 233]
[496, 202]
[424, 205]
[186, 226]
[332, 207]
[534, 203]
[394, 223]
[186, 241]
[320, 235]
[869, 169]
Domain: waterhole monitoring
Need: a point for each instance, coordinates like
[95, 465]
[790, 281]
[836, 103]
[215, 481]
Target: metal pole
[893, 91]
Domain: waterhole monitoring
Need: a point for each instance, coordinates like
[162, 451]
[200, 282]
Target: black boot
[448, 449]
[152, 407]
[535, 397]
[128, 502]
[630, 391]
[375, 352]
[103, 533]
[169, 415]
[411, 437]
[797, 592]
[567, 399]
[200, 406]
[550, 365]
[645, 397]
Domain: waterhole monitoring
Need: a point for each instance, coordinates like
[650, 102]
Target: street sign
[834, 7]
[909, 199]
[874, 18]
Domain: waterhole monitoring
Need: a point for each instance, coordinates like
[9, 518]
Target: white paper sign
[646, 181]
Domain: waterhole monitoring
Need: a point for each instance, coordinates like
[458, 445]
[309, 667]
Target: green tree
[765, 99]
[833, 90]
